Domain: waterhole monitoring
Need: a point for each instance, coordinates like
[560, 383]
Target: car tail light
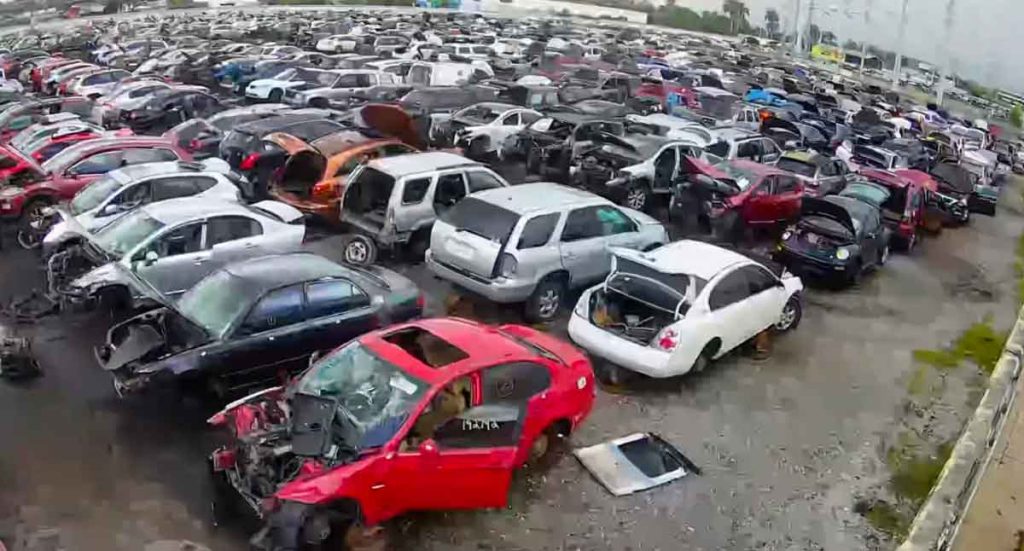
[667, 340]
[507, 265]
[325, 188]
[223, 459]
[194, 145]
[421, 301]
[249, 162]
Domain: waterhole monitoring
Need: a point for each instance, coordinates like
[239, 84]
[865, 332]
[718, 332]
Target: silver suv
[531, 243]
[393, 202]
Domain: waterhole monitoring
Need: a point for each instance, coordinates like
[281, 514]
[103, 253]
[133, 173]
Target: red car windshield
[375, 398]
[737, 176]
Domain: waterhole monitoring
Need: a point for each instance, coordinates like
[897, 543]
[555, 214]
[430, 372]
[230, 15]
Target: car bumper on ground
[630, 355]
[497, 290]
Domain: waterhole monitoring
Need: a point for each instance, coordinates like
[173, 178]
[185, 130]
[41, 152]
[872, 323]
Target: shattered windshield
[374, 396]
[742, 179]
[127, 233]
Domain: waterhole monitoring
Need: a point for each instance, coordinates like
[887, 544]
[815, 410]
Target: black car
[170, 107]
[201, 137]
[958, 182]
[253, 321]
[837, 238]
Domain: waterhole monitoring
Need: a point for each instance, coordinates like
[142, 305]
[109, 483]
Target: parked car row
[171, 170]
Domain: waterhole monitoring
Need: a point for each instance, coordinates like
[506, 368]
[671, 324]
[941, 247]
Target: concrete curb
[936, 524]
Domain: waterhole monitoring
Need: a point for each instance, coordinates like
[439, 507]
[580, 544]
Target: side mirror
[428, 447]
[150, 258]
[110, 210]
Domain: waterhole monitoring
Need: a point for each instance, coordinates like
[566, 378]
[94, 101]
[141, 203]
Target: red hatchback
[429, 415]
[37, 186]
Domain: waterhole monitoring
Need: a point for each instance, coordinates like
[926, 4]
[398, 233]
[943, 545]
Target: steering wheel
[359, 400]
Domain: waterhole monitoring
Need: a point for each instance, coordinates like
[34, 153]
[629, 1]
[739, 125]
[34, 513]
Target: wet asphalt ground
[787, 445]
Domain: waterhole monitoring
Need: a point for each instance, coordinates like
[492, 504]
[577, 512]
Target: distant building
[1010, 97]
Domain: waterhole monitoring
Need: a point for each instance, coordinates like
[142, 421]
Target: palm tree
[736, 11]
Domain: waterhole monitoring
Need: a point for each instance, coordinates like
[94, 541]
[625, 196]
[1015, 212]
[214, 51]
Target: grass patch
[918, 381]
[885, 518]
[913, 474]
[980, 343]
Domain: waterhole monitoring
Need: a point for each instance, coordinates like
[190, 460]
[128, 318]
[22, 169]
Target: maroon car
[23, 200]
[732, 195]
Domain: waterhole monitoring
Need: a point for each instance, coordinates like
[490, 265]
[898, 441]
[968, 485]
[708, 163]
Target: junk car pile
[167, 167]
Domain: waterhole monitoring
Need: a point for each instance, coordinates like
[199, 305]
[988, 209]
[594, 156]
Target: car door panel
[182, 259]
[760, 207]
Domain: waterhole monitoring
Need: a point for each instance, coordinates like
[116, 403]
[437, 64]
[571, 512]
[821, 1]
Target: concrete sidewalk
[996, 513]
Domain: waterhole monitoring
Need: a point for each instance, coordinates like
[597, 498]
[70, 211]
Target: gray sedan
[167, 247]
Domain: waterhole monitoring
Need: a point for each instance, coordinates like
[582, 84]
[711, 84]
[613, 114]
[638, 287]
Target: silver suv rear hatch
[471, 236]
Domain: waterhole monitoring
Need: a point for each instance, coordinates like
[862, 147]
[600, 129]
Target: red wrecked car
[26, 194]
[912, 205]
[429, 415]
[732, 195]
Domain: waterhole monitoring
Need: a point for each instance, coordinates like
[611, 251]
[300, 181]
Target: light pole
[864, 43]
[897, 66]
[941, 92]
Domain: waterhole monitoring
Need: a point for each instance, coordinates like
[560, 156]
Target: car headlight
[786, 235]
[842, 253]
[9, 191]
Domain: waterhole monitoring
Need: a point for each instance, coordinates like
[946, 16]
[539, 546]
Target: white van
[447, 73]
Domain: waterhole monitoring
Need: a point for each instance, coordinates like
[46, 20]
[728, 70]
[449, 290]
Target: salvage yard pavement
[788, 447]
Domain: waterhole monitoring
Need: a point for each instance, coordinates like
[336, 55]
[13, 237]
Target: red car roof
[920, 178]
[483, 344]
[886, 177]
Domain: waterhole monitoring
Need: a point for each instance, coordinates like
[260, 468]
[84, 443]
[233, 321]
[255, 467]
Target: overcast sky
[986, 43]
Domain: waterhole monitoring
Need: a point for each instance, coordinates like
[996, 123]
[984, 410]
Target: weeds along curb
[936, 524]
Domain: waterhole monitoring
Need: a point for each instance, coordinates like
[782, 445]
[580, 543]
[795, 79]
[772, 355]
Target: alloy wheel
[548, 303]
[636, 198]
[787, 318]
[356, 252]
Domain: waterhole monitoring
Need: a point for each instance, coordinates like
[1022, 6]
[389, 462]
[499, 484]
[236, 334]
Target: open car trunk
[365, 203]
[301, 172]
[637, 301]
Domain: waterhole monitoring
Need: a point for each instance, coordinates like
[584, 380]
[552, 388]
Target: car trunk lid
[471, 237]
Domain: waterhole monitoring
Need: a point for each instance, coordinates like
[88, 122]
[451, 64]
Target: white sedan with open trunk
[673, 310]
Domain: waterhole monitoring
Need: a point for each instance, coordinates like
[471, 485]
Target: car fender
[694, 335]
[346, 482]
[107, 275]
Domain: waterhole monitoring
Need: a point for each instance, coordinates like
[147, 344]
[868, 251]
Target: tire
[532, 160]
[705, 357]
[546, 301]
[418, 245]
[359, 250]
[30, 237]
[275, 95]
[909, 244]
[477, 149]
[853, 278]
[545, 443]
[791, 315]
[638, 197]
